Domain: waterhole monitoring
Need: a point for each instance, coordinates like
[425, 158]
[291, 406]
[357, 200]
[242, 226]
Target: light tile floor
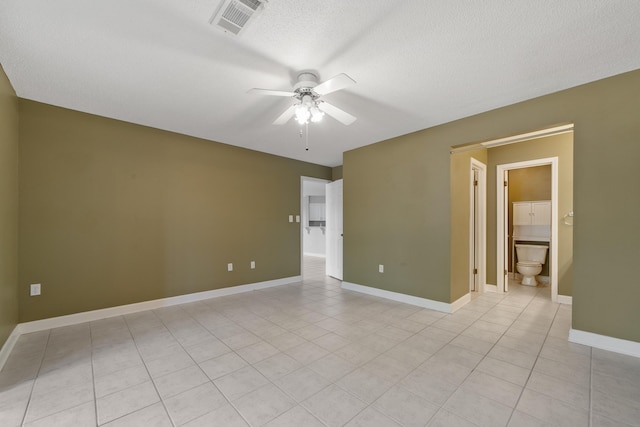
[312, 354]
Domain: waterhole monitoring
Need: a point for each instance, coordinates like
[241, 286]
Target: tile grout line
[33, 386]
[534, 364]
[148, 373]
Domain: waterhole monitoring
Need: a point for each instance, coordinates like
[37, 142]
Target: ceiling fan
[308, 106]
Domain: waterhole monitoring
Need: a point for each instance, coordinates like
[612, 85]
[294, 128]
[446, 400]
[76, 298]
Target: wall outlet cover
[35, 289]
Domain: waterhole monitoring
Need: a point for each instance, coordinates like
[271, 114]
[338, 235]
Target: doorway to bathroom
[531, 222]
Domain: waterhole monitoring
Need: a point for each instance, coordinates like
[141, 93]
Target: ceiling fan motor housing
[306, 82]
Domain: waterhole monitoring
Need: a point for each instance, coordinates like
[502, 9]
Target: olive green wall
[113, 213]
[397, 201]
[529, 184]
[460, 211]
[561, 146]
[336, 173]
[396, 213]
[8, 208]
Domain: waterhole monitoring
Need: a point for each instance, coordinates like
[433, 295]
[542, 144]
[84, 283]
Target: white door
[505, 224]
[334, 229]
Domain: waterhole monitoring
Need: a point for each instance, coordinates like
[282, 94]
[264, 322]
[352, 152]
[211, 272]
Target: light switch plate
[230, 267]
[253, 265]
[297, 218]
[380, 268]
[290, 218]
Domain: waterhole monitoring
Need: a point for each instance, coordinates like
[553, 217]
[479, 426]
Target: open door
[334, 229]
[505, 207]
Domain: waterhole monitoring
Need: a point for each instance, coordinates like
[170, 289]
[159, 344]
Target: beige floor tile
[194, 403]
[405, 407]
[302, 384]
[263, 405]
[124, 402]
[334, 406]
[295, 417]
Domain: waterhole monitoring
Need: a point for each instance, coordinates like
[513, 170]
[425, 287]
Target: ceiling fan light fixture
[302, 114]
[316, 114]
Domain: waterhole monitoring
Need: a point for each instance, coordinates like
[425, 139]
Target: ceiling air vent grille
[234, 15]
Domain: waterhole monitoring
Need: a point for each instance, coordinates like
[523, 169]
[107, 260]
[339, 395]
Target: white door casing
[334, 229]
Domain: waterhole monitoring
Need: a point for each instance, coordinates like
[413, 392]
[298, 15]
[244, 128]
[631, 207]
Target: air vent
[234, 15]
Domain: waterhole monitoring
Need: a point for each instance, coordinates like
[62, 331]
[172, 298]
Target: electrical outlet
[35, 289]
[253, 265]
[230, 267]
[380, 268]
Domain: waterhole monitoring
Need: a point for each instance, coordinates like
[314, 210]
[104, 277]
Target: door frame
[500, 224]
[481, 220]
[304, 179]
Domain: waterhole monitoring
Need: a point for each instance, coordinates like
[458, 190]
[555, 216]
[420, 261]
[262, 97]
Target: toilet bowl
[530, 260]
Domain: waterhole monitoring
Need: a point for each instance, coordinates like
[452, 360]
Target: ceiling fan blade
[333, 84]
[271, 92]
[284, 117]
[338, 114]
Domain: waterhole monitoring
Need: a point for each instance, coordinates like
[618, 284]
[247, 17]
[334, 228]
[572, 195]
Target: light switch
[380, 268]
[230, 267]
[253, 265]
[297, 218]
[290, 218]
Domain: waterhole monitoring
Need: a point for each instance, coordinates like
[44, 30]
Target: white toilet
[530, 260]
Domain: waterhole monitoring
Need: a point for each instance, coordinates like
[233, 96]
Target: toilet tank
[535, 253]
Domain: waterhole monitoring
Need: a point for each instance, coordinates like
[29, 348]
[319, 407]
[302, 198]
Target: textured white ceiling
[417, 63]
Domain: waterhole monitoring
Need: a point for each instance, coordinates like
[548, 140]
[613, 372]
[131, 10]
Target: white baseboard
[565, 299]
[5, 351]
[490, 288]
[88, 316]
[315, 255]
[409, 299]
[604, 342]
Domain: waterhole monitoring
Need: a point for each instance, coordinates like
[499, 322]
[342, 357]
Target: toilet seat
[528, 263]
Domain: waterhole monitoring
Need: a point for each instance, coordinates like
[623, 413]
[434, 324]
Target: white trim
[11, 341]
[315, 255]
[460, 302]
[553, 161]
[88, 316]
[409, 299]
[490, 288]
[565, 299]
[556, 130]
[604, 342]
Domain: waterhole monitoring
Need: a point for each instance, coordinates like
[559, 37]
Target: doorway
[502, 210]
[312, 226]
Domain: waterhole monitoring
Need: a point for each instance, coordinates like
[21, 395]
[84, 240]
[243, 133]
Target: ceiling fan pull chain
[306, 125]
